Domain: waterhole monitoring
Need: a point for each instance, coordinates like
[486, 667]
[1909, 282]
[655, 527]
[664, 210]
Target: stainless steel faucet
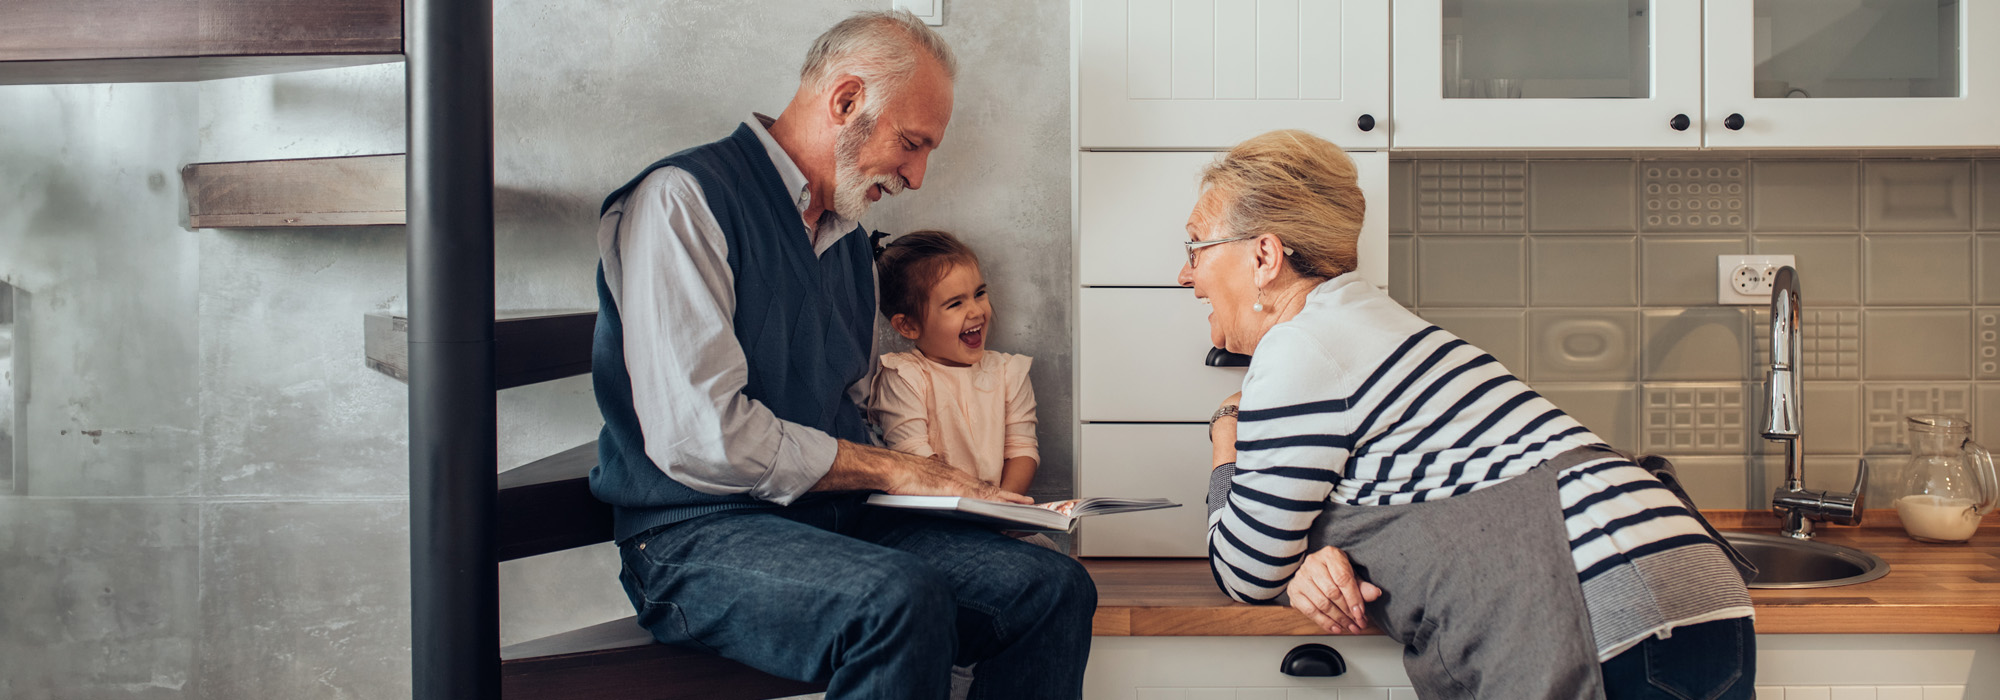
[1797, 506]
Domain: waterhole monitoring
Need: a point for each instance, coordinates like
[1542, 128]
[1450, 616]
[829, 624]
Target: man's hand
[1326, 590]
[861, 467]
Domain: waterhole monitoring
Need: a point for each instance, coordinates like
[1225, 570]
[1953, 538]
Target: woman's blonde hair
[1298, 187]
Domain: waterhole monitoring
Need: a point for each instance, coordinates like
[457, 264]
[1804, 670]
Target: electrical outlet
[1747, 279]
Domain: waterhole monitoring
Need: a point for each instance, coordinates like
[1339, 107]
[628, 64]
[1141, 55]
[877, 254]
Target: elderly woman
[1380, 469]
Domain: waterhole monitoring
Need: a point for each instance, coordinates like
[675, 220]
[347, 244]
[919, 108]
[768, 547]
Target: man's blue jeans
[874, 602]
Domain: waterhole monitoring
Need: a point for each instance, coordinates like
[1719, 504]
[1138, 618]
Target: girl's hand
[1326, 590]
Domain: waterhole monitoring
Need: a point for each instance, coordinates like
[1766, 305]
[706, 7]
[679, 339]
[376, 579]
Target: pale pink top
[974, 418]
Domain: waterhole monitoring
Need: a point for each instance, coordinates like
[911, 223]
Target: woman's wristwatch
[1228, 409]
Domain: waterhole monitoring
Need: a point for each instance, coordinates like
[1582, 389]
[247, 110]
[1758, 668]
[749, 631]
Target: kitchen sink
[1783, 562]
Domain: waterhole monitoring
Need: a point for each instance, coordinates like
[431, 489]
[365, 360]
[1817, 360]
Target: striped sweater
[1357, 402]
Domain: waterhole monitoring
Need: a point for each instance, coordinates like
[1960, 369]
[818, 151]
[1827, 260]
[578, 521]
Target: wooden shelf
[529, 346]
[107, 41]
[349, 191]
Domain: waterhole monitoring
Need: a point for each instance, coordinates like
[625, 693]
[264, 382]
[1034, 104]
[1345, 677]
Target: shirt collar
[795, 180]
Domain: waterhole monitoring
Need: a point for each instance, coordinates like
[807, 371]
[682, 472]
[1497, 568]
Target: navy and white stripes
[1358, 402]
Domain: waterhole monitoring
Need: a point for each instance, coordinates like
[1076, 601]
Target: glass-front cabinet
[1547, 74]
[1207, 74]
[1861, 73]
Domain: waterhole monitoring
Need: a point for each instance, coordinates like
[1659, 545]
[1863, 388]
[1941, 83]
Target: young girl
[950, 399]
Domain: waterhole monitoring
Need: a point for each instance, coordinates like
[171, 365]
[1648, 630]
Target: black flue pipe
[454, 576]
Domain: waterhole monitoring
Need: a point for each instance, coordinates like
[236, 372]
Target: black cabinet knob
[1218, 357]
[1732, 122]
[1680, 122]
[1314, 660]
[1366, 122]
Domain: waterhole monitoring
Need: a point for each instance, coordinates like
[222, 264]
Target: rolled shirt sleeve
[677, 299]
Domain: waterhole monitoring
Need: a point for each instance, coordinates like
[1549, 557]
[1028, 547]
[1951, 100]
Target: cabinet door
[1511, 74]
[1841, 73]
[1135, 208]
[1141, 354]
[1129, 460]
[1210, 73]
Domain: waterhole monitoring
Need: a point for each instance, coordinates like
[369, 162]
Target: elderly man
[734, 344]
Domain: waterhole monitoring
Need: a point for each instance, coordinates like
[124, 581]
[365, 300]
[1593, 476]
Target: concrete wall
[213, 499]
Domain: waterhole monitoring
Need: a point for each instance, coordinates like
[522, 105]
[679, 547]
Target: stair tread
[296, 192]
[53, 42]
[546, 506]
[620, 660]
[530, 345]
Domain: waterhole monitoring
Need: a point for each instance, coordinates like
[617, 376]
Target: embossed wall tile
[1918, 270]
[1986, 343]
[1829, 266]
[1583, 345]
[1584, 271]
[1694, 196]
[1714, 482]
[1885, 406]
[1832, 418]
[1694, 419]
[1986, 415]
[1611, 411]
[1402, 196]
[1681, 272]
[1917, 344]
[1694, 344]
[1815, 196]
[1917, 195]
[1471, 271]
[1471, 196]
[1403, 270]
[1988, 201]
[1832, 345]
[1988, 269]
[1581, 195]
[1497, 331]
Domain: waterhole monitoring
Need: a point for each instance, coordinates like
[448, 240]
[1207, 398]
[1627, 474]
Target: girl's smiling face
[956, 316]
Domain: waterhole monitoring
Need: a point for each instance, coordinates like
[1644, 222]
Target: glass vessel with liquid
[1950, 483]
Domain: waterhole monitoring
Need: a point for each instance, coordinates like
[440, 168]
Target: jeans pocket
[1699, 662]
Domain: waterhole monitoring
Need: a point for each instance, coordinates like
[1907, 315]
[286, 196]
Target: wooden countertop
[1930, 589]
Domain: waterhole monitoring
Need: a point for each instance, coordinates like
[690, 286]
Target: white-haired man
[734, 345]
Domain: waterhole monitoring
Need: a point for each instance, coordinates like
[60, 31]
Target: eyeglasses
[1193, 246]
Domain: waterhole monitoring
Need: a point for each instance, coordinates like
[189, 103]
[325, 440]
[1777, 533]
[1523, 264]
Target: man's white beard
[850, 186]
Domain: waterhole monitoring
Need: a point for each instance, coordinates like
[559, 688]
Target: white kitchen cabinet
[1789, 667]
[1134, 208]
[1190, 668]
[1141, 357]
[1146, 460]
[1160, 74]
[1510, 74]
[1851, 73]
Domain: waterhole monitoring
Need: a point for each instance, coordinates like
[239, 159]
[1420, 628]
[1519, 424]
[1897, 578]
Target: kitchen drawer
[1141, 357]
[1198, 668]
[1146, 460]
[1135, 208]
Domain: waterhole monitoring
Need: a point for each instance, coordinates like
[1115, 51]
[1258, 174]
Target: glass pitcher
[1950, 482]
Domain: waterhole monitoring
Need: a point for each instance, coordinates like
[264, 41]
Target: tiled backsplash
[1595, 280]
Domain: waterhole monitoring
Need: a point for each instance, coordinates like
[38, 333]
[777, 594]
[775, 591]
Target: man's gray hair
[880, 48]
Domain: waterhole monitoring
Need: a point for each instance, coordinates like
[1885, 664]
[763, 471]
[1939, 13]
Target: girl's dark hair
[909, 266]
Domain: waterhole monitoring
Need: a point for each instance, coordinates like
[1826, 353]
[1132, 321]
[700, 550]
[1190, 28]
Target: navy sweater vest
[806, 323]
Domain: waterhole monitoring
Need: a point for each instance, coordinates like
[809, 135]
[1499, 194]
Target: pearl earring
[1259, 306]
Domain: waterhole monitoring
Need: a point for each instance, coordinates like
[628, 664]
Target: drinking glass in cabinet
[1500, 49]
[1857, 48]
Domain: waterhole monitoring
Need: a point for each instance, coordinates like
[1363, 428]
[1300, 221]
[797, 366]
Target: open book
[1054, 516]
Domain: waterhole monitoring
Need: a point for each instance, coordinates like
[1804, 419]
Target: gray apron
[1480, 588]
